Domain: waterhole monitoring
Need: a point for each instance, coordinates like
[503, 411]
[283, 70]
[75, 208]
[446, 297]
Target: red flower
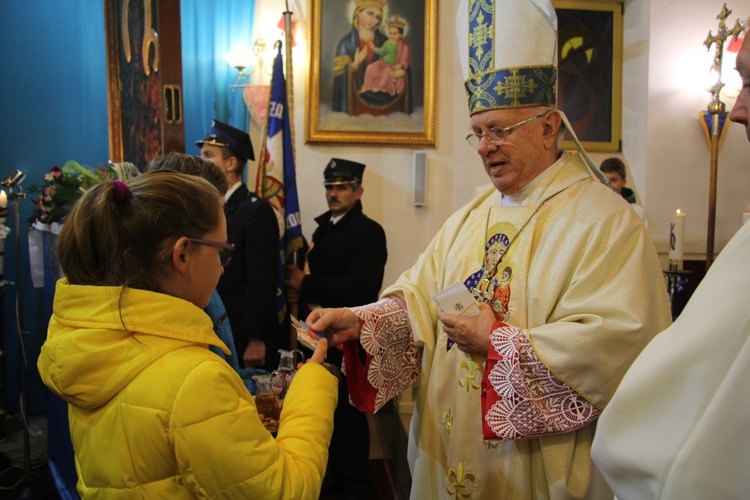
[53, 174]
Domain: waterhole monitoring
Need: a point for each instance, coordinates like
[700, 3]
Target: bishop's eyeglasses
[498, 133]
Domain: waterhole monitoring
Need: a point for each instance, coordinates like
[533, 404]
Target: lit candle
[676, 240]
[3, 199]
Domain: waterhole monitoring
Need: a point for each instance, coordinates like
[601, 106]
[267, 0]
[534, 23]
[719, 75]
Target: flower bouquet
[62, 187]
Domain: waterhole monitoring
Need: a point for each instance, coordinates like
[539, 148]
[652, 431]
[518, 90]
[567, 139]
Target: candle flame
[678, 212]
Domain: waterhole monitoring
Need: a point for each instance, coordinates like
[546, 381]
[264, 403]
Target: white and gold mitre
[508, 50]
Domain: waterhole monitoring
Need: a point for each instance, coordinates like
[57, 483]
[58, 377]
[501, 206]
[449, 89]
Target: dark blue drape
[54, 108]
[209, 31]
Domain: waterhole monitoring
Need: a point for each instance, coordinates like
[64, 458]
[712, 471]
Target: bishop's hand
[470, 333]
[339, 325]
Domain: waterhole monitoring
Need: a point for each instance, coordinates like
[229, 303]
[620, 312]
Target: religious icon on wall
[372, 72]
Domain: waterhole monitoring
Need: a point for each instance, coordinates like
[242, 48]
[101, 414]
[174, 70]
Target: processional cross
[721, 36]
[717, 114]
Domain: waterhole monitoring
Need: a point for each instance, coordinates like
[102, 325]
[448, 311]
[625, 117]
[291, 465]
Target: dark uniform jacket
[347, 261]
[249, 283]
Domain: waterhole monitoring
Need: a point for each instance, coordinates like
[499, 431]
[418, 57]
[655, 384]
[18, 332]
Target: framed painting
[372, 72]
[589, 88]
[144, 76]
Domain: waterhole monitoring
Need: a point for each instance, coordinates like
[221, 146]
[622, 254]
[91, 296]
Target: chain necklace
[483, 292]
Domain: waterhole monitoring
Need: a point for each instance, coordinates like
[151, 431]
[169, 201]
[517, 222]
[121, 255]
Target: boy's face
[215, 154]
[394, 35]
[617, 182]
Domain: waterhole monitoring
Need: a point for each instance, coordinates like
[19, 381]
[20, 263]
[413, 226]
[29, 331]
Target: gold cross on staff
[721, 35]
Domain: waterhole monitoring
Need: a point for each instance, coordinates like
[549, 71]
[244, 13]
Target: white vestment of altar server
[678, 426]
[586, 289]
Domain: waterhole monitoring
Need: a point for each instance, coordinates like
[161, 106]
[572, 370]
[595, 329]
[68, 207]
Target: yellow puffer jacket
[155, 414]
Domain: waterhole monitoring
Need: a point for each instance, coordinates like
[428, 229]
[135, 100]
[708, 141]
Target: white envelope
[456, 299]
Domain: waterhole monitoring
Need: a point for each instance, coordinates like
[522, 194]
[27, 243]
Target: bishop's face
[516, 159]
[741, 110]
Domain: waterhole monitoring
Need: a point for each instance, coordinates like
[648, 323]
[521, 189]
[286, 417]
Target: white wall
[663, 145]
[678, 156]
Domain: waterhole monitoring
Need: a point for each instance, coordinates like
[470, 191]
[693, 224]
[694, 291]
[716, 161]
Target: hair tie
[121, 190]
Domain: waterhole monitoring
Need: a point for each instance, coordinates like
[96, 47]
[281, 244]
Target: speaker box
[420, 179]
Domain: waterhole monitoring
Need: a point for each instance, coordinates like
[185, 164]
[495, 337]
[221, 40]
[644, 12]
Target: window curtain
[209, 31]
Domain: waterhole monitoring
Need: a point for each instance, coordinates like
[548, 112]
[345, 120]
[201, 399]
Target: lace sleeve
[392, 359]
[521, 398]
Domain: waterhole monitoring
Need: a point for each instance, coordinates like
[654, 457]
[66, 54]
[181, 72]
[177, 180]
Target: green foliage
[61, 188]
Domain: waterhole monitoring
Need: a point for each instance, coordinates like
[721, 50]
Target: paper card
[456, 299]
[305, 335]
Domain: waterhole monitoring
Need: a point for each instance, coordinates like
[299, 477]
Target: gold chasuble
[581, 283]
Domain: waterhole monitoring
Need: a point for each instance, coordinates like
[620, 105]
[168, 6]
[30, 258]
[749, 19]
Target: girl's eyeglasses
[227, 249]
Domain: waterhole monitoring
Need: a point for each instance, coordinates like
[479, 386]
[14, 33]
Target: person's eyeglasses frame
[499, 133]
[225, 256]
[227, 249]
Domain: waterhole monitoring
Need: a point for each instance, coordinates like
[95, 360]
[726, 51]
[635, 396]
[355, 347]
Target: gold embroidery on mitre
[480, 34]
[516, 87]
[461, 483]
[509, 87]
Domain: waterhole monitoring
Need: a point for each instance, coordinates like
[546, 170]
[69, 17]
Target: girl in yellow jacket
[153, 412]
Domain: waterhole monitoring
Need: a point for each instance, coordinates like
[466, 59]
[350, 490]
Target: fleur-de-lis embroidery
[472, 379]
[448, 420]
[461, 483]
[515, 87]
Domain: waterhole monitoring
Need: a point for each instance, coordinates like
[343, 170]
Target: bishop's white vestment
[587, 294]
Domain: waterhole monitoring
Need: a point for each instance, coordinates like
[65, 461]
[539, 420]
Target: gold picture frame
[589, 88]
[398, 105]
